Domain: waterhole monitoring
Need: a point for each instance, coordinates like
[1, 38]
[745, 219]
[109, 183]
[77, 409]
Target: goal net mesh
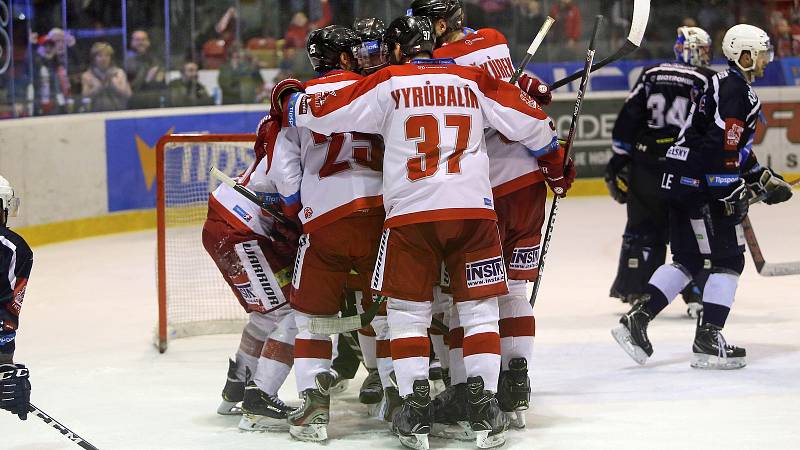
[193, 297]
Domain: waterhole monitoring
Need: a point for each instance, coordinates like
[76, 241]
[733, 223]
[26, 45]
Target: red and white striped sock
[312, 353]
[408, 325]
[517, 324]
[481, 340]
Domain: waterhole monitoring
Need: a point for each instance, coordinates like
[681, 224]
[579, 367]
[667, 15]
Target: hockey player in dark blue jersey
[649, 123]
[16, 260]
[709, 176]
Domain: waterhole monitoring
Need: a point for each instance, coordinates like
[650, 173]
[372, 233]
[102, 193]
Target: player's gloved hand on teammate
[558, 177]
[535, 88]
[287, 234]
[776, 188]
[736, 204]
[617, 178]
[281, 93]
[15, 389]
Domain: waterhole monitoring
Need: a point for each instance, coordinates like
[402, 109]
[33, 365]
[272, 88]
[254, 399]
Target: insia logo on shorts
[733, 133]
[678, 152]
[525, 258]
[485, 272]
[242, 213]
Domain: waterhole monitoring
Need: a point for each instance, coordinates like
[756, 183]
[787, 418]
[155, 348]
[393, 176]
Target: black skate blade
[624, 339]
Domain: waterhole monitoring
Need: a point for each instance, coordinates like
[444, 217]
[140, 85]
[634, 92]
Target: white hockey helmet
[745, 37]
[8, 202]
[693, 46]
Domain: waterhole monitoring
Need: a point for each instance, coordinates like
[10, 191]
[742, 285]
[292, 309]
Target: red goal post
[193, 298]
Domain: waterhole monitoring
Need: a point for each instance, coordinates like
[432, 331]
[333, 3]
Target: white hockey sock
[408, 326]
[312, 353]
[367, 343]
[517, 324]
[383, 351]
[481, 347]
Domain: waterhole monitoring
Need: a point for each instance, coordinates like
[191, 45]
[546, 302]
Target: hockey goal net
[193, 298]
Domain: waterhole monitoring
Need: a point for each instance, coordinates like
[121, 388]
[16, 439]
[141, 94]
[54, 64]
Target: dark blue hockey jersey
[16, 260]
[657, 109]
[716, 147]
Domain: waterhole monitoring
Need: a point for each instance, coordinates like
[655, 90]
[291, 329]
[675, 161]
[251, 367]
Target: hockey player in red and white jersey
[257, 265]
[438, 198]
[334, 181]
[519, 188]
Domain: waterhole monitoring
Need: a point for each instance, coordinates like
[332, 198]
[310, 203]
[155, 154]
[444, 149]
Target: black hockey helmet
[452, 11]
[413, 33]
[372, 54]
[325, 45]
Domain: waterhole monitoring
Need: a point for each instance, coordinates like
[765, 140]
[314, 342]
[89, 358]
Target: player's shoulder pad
[334, 76]
[479, 40]
[493, 35]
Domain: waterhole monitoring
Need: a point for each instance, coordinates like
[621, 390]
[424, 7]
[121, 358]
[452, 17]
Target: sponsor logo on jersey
[246, 291]
[485, 272]
[242, 213]
[487, 201]
[692, 182]
[302, 109]
[733, 134]
[678, 152]
[308, 212]
[8, 337]
[731, 163]
[321, 98]
[721, 180]
[260, 274]
[525, 258]
[432, 95]
[471, 41]
[528, 99]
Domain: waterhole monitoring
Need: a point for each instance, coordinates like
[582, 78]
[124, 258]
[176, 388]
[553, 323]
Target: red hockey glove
[536, 89]
[282, 91]
[558, 177]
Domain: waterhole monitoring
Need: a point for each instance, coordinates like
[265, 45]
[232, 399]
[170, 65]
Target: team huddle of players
[415, 172]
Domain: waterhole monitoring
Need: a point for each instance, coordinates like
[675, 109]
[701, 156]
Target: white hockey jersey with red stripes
[329, 177]
[238, 210]
[431, 114]
[510, 166]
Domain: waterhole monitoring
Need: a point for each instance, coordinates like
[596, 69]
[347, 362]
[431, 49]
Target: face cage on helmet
[371, 56]
[693, 54]
[12, 207]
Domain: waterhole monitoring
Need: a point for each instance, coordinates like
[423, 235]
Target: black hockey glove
[770, 183]
[15, 389]
[617, 178]
[736, 204]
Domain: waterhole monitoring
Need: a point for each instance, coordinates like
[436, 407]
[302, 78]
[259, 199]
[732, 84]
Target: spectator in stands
[104, 85]
[568, 27]
[145, 72]
[528, 16]
[239, 78]
[786, 44]
[187, 90]
[300, 26]
[51, 86]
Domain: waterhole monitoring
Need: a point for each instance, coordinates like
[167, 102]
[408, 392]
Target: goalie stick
[69, 434]
[764, 268]
[641, 14]
[573, 129]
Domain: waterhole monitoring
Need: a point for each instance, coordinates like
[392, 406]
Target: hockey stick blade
[537, 41]
[641, 15]
[250, 195]
[66, 432]
[336, 325]
[764, 268]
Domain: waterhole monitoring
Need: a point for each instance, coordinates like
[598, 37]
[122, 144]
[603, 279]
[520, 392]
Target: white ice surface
[89, 312]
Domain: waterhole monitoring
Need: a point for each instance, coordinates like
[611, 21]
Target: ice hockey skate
[514, 391]
[389, 405]
[485, 417]
[631, 334]
[339, 383]
[309, 422]
[232, 393]
[450, 414]
[263, 412]
[712, 352]
[412, 423]
[371, 391]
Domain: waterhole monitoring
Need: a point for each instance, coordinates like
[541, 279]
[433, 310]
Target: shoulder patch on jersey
[733, 133]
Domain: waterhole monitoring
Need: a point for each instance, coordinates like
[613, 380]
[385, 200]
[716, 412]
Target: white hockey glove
[737, 203]
[777, 190]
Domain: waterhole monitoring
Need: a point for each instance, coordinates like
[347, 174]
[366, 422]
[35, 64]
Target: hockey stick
[537, 41]
[250, 195]
[764, 268]
[69, 434]
[337, 325]
[573, 126]
[641, 14]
